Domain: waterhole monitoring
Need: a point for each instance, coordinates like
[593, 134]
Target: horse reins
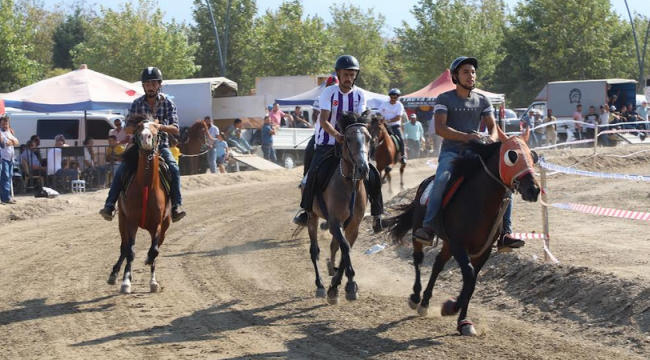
[352, 176]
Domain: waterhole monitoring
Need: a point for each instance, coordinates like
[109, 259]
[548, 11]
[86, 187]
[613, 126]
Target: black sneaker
[425, 235]
[107, 212]
[507, 241]
[301, 219]
[377, 226]
[177, 213]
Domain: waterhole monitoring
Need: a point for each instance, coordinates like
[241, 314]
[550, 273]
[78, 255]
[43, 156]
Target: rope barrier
[193, 155]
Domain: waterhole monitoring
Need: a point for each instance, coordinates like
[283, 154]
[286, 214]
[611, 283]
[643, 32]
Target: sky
[394, 11]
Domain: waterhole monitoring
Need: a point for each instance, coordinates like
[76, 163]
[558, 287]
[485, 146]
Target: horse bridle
[156, 140]
[353, 175]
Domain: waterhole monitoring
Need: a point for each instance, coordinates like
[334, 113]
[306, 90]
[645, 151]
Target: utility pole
[216, 36]
[225, 41]
[640, 57]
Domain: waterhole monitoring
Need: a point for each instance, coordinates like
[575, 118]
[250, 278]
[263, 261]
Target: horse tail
[399, 225]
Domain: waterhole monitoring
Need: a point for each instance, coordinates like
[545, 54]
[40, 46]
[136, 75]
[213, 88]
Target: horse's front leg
[130, 255]
[314, 251]
[401, 176]
[438, 265]
[351, 288]
[418, 258]
[112, 278]
[465, 325]
[151, 259]
[452, 306]
[333, 290]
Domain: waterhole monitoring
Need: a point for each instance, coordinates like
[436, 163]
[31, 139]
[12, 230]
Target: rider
[333, 102]
[392, 111]
[309, 150]
[164, 111]
[458, 114]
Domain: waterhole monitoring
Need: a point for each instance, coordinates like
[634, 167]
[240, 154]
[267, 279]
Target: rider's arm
[450, 134]
[172, 118]
[324, 115]
[169, 129]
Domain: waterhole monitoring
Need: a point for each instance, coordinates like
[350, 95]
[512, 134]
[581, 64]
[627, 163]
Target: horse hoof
[351, 296]
[448, 308]
[412, 304]
[321, 293]
[125, 289]
[466, 328]
[423, 311]
[112, 279]
[333, 300]
[333, 296]
[154, 287]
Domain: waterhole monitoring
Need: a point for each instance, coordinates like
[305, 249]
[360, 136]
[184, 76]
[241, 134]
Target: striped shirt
[337, 102]
[164, 111]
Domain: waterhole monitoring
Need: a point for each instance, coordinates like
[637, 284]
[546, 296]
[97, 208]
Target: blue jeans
[269, 153]
[212, 160]
[5, 180]
[116, 185]
[443, 173]
[240, 144]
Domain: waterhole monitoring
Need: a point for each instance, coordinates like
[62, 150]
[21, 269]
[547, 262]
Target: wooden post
[595, 139]
[545, 214]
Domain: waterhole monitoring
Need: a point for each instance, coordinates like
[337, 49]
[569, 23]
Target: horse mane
[351, 118]
[468, 164]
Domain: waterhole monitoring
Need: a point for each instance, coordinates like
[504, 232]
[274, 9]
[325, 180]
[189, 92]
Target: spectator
[538, 129]
[222, 152]
[211, 136]
[298, 120]
[7, 142]
[113, 153]
[234, 138]
[577, 117]
[56, 164]
[528, 122]
[268, 130]
[31, 159]
[592, 119]
[92, 169]
[436, 140]
[37, 144]
[119, 132]
[413, 134]
[173, 147]
[644, 114]
[278, 115]
[550, 130]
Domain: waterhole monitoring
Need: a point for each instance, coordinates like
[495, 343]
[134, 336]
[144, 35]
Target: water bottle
[375, 249]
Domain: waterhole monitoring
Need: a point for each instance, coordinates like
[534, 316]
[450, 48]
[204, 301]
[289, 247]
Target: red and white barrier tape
[529, 236]
[602, 211]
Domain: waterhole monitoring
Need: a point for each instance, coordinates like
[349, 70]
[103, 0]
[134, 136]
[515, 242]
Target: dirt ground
[238, 286]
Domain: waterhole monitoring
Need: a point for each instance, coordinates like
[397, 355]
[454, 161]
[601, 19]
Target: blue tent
[307, 98]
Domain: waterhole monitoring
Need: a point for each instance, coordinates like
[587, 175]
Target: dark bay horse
[144, 204]
[343, 204]
[192, 146]
[386, 154]
[472, 219]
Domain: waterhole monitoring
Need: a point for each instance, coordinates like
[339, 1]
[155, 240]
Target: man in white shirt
[414, 134]
[120, 134]
[334, 101]
[7, 142]
[392, 111]
[213, 132]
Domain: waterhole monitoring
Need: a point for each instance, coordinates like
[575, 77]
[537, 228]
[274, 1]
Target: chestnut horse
[192, 147]
[343, 204]
[470, 221]
[144, 204]
[386, 153]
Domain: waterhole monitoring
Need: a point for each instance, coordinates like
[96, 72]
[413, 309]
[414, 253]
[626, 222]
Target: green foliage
[16, 68]
[122, 43]
[67, 35]
[242, 13]
[359, 33]
[42, 24]
[284, 42]
[446, 29]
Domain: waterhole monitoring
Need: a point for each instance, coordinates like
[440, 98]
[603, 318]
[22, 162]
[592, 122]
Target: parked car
[511, 121]
[519, 111]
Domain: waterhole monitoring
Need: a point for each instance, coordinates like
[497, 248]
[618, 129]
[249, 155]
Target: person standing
[222, 152]
[298, 120]
[577, 118]
[120, 134]
[413, 134]
[7, 142]
[211, 136]
[458, 114]
[644, 113]
[268, 130]
[550, 129]
[392, 111]
[592, 119]
[436, 140]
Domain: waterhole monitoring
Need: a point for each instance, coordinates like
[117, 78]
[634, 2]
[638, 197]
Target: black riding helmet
[460, 61]
[151, 73]
[394, 91]
[347, 62]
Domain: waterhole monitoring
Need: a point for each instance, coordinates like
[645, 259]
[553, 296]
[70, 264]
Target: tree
[42, 24]
[569, 40]
[285, 43]
[446, 29]
[242, 13]
[16, 69]
[359, 33]
[122, 43]
[67, 35]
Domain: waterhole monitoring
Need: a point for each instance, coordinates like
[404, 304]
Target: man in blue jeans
[268, 130]
[160, 107]
[458, 114]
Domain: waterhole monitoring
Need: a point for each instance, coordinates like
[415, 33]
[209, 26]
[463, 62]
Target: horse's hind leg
[314, 251]
[452, 306]
[401, 177]
[438, 265]
[465, 325]
[112, 278]
[156, 243]
[130, 255]
[418, 258]
[331, 262]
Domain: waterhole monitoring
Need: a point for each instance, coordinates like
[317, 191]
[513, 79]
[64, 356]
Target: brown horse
[470, 222]
[386, 153]
[191, 148]
[144, 204]
[343, 204]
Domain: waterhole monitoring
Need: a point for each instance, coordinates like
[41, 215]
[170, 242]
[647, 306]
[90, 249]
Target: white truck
[564, 96]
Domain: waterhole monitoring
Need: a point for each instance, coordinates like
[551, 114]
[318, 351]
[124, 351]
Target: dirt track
[237, 286]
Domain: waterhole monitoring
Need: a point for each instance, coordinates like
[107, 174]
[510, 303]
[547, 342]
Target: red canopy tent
[427, 95]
